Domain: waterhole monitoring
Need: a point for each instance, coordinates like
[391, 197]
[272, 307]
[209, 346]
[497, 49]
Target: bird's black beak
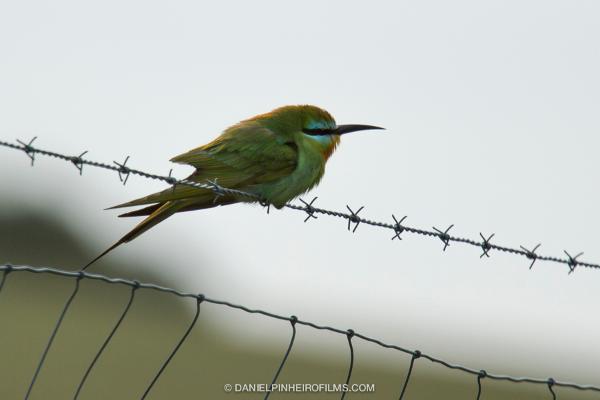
[339, 130]
[342, 129]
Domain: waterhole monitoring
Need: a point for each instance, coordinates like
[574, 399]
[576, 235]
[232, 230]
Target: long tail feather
[163, 212]
[160, 214]
[157, 213]
[141, 212]
[180, 192]
[105, 252]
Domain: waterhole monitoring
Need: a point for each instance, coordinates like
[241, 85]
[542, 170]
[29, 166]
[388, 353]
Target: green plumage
[277, 156]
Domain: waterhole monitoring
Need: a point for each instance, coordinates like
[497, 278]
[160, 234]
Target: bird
[275, 156]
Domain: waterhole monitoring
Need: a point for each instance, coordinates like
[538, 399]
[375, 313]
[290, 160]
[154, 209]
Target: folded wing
[241, 158]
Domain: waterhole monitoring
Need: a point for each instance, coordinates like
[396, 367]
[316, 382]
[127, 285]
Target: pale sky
[491, 110]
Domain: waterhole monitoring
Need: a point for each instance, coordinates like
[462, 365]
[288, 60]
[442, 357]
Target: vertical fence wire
[415, 355]
[108, 339]
[199, 299]
[53, 335]
[293, 320]
[550, 384]
[482, 374]
[4, 276]
[349, 335]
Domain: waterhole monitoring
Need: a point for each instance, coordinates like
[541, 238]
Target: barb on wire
[199, 299]
[416, 354]
[28, 149]
[215, 188]
[572, 262]
[108, 339]
[531, 254]
[171, 180]
[124, 171]
[348, 333]
[444, 237]
[266, 205]
[293, 320]
[398, 228]
[486, 245]
[352, 217]
[78, 162]
[310, 210]
[349, 336]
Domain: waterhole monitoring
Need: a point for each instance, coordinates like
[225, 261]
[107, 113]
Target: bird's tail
[159, 214]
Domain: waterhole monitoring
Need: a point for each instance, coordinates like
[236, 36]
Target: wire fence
[349, 334]
[398, 227]
[353, 221]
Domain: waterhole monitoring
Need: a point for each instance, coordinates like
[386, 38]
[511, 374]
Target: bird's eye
[317, 131]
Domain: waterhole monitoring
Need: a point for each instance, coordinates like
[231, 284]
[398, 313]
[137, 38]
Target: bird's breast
[312, 156]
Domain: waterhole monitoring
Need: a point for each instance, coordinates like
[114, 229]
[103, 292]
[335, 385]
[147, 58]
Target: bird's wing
[243, 155]
[238, 159]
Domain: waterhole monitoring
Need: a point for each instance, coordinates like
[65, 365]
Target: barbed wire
[479, 374]
[354, 220]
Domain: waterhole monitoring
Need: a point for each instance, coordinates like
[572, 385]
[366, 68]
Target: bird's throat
[325, 144]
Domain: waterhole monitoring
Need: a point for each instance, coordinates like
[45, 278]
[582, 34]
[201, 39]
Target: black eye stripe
[317, 132]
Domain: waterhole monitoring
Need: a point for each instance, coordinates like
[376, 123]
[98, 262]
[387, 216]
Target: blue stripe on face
[324, 140]
[320, 125]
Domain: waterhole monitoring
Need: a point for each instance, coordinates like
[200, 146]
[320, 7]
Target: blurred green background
[211, 357]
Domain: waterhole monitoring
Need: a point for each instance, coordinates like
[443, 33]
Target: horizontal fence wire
[354, 220]
[478, 374]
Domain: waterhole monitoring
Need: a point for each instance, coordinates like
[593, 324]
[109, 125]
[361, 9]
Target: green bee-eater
[276, 156]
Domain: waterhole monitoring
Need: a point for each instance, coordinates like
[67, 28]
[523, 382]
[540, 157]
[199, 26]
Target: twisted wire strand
[550, 382]
[398, 227]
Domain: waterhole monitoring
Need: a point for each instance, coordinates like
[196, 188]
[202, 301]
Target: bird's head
[309, 122]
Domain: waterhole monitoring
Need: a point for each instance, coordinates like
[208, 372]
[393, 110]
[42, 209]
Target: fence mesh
[349, 334]
[398, 227]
